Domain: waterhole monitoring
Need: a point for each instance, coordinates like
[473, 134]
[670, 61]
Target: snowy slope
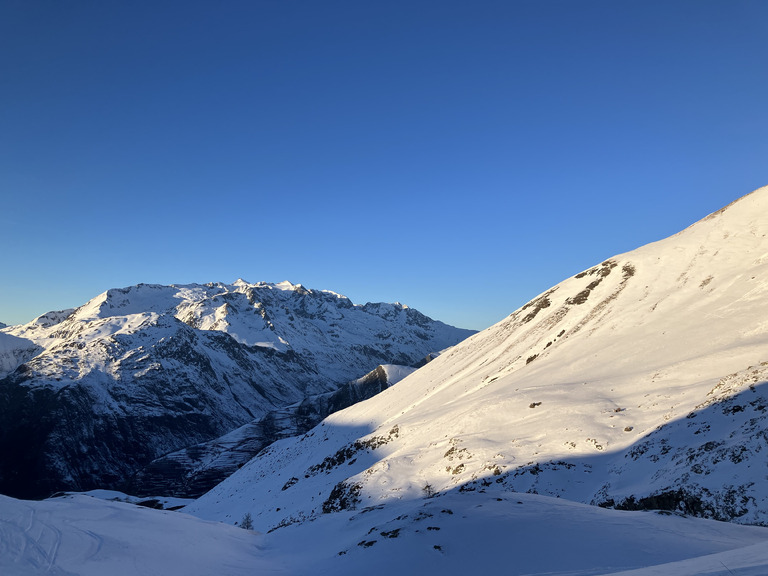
[97, 392]
[459, 534]
[88, 536]
[15, 351]
[639, 383]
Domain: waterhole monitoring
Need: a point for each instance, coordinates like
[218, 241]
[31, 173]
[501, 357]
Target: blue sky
[459, 157]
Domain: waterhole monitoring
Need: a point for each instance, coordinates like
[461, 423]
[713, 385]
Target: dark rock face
[140, 372]
[26, 421]
[192, 471]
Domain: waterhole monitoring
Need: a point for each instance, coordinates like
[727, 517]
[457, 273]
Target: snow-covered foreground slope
[639, 383]
[456, 534]
[93, 394]
[87, 536]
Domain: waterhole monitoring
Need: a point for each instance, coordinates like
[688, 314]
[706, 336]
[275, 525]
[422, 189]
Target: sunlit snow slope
[639, 383]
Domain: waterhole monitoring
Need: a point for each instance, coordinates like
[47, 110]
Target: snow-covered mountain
[88, 396]
[640, 383]
[637, 384]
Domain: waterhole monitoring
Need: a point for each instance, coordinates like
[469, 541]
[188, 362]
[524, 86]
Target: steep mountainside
[638, 383]
[91, 395]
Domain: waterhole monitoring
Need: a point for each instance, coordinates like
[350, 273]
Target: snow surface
[14, 351]
[474, 533]
[160, 502]
[395, 372]
[640, 382]
[89, 536]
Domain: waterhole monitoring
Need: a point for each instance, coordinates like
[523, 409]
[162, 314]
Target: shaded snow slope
[88, 536]
[455, 534]
[14, 352]
[135, 373]
[639, 383]
[515, 534]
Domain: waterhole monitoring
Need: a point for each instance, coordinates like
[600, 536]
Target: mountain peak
[286, 285]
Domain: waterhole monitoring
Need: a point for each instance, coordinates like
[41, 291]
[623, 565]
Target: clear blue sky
[459, 157]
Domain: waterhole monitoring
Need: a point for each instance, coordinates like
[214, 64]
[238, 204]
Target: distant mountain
[91, 395]
[640, 383]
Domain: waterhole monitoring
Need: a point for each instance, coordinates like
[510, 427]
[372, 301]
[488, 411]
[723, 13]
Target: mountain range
[615, 424]
[89, 396]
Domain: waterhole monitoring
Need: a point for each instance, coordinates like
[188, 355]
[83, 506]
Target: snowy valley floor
[458, 533]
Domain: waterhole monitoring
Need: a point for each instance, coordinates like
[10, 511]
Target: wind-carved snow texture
[638, 383]
[93, 394]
